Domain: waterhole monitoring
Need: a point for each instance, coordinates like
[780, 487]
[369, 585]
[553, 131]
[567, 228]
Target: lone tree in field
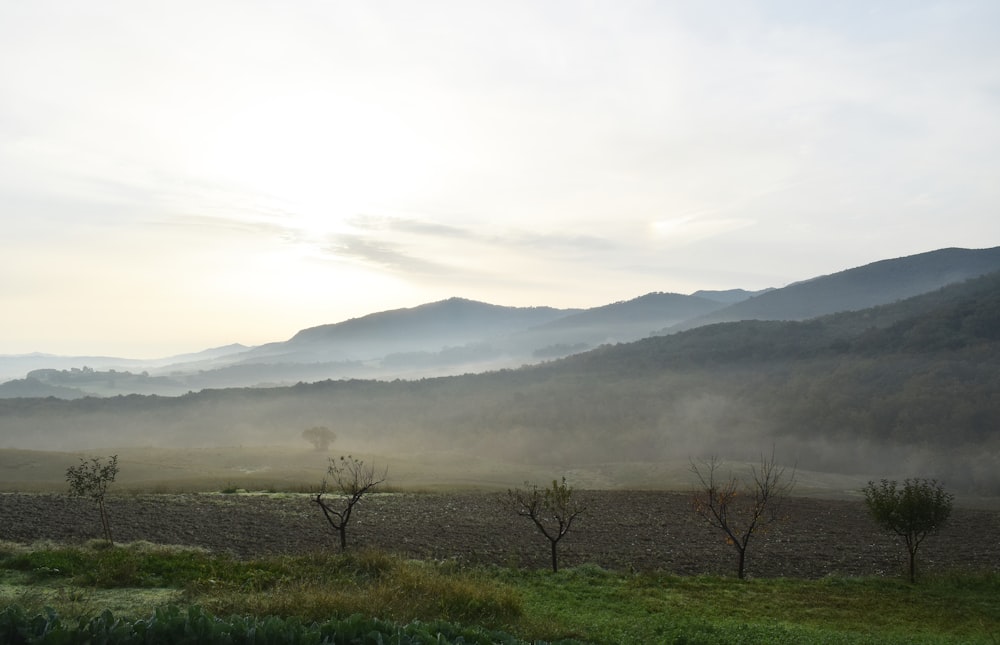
[91, 478]
[351, 480]
[320, 437]
[741, 509]
[912, 512]
[551, 509]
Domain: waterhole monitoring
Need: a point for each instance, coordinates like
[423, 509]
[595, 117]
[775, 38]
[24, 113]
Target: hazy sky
[180, 175]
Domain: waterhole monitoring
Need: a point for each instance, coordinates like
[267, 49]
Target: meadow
[366, 593]
[454, 567]
[436, 557]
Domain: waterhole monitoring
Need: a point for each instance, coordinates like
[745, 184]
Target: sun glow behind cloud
[686, 229]
[327, 157]
[237, 171]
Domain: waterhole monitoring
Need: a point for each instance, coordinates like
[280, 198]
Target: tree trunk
[342, 529]
[555, 560]
[741, 567]
[913, 565]
[105, 523]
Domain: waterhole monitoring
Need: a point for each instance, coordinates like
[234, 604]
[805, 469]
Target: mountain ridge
[458, 335]
[904, 389]
[861, 287]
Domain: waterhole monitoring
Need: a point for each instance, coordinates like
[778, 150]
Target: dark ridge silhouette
[458, 336]
[907, 388]
[859, 288]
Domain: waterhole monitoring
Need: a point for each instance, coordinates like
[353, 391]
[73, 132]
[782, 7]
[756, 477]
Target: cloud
[384, 255]
[512, 240]
[687, 229]
[411, 225]
[561, 151]
[255, 227]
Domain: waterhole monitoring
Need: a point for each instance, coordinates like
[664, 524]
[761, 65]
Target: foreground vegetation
[369, 595]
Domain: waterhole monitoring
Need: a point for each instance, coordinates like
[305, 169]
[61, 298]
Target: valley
[905, 388]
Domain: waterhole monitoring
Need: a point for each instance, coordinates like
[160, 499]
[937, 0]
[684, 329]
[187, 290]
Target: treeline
[913, 386]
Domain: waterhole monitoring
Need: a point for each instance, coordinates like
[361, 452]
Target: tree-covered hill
[907, 388]
[960, 315]
[859, 288]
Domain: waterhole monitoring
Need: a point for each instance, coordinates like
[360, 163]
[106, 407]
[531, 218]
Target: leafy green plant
[370, 595]
[230, 489]
[91, 478]
[372, 582]
[914, 511]
[195, 625]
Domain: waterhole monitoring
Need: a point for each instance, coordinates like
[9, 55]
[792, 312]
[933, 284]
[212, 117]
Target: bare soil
[622, 530]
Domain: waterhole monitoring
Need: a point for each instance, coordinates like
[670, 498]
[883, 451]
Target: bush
[195, 625]
[912, 512]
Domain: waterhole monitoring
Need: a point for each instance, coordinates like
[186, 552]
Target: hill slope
[617, 322]
[458, 336]
[859, 288]
[428, 327]
[904, 389]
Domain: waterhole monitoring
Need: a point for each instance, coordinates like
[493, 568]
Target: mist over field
[905, 388]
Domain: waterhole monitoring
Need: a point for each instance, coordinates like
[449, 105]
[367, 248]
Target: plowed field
[644, 531]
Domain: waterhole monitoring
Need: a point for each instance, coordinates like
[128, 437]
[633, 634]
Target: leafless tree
[552, 510]
[91, 478]
[352, 479]
[740, 509]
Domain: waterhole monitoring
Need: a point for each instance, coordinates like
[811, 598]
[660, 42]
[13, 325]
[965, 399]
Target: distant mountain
[904, 389]
[212, 354]
[728, 296]
[645, 311]
[430, 327]
[859, 288]
[17, 365]
[957, 316]
[34, 388]
[458, 336]
[618, 322]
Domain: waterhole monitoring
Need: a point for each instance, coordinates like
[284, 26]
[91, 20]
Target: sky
[182, 175]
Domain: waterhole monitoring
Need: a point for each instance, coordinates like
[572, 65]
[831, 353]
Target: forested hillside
[460, 336]
[908, 388]
[859, 288]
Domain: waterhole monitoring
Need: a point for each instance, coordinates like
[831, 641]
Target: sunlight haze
[184, 175]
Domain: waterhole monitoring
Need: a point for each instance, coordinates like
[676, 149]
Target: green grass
[585, 603]
[604, 607]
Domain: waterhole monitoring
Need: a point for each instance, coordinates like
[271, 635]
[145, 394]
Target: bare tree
[91, 478]
[352, 479]
[741, 509]
[912, 512]
[320, 437]
[552, 510]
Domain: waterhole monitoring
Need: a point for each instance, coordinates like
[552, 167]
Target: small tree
[91, 478]
[320, 437]
[351, 480]
[913, 512]
[551, 509]
[741, 509]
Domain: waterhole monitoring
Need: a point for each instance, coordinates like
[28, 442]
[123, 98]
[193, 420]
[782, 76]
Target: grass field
[579, 604]
[166, 470]
[586, 603]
